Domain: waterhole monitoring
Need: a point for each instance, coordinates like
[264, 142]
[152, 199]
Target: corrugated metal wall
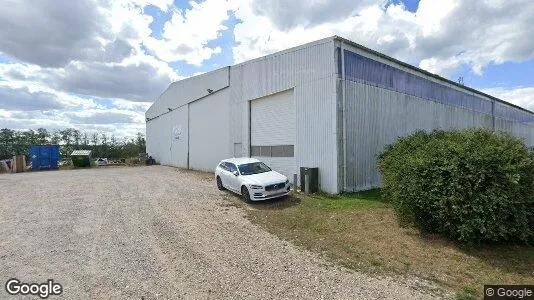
[385, 102]
[311, 71]
[382, 103]
[209, 131]
[190, 89]
[166, 138]
[169, 122]
[376, 117]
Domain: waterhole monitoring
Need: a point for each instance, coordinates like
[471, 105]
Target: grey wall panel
[209, 131]
[521, 130]
[167, 138]
[190, 89]
[376, 117]
[317, 130]
[179, 137]
[311, 71]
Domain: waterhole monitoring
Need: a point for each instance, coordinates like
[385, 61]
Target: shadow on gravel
[272, 204]
[276, 204]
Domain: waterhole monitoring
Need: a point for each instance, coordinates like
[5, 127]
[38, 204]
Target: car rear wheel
[245, 194]
[220, 186]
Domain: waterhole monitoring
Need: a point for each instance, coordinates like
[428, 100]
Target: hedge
[472, 186]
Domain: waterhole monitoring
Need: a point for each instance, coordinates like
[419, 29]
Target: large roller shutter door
[273, 131]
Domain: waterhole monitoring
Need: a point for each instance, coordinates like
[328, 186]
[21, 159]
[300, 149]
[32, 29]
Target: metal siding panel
[317, 134]
[187, 90]
[162, 144]
[179, 140]
[521, 130]
[311, 71]
[209, 131]
[376, 117]
[361, 69]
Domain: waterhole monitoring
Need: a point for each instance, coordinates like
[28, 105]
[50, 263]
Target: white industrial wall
[188, 90]
[165, 142]
[309, 70]
[188, 125]
[209, 131]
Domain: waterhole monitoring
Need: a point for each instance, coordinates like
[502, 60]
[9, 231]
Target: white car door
[225, 175]
[233, 181]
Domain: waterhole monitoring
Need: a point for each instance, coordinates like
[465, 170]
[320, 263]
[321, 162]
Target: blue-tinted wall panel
[365, 70]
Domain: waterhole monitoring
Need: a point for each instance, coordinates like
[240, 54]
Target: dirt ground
[160, 232]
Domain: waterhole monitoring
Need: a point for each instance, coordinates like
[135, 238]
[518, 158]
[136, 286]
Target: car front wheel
[220, 186]
[245, 194]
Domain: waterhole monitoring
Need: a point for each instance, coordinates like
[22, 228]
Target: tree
[94, 139]
[141, 143]
[85, 140]
[7, 142]
[43, 137]
[14, 142]
[56, 137]
[76, 135]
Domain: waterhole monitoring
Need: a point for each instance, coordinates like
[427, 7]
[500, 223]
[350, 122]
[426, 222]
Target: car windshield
[253, 168]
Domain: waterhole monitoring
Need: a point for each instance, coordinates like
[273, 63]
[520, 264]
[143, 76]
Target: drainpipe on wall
[344, 141]
[493, 114]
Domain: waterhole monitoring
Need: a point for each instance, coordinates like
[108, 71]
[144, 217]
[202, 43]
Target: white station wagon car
[251, 178]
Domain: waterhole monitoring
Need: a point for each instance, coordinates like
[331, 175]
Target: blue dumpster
[44, 157]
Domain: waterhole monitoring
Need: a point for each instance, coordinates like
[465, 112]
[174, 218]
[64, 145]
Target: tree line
[17, 142]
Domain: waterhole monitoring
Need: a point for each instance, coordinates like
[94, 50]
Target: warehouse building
[331, 104]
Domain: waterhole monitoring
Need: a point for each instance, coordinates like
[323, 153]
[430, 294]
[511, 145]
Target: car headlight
[256, 187]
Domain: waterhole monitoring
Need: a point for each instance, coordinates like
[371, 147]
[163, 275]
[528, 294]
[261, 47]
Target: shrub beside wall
[472, 186]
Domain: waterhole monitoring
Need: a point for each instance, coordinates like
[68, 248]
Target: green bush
[472, 186]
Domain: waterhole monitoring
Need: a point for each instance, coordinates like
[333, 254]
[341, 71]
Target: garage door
[273, 131]
[209, 131]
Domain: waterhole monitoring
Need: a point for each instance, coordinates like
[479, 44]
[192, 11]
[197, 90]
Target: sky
[97, 65]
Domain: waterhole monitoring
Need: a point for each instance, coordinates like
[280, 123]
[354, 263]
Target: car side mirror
[236, 173]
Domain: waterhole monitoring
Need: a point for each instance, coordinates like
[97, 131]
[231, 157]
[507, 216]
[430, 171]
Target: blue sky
[101, 68]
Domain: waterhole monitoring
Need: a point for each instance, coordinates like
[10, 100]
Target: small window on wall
[255, 151]
[273, 151]
[265, 151]
[277, 151]
[289, 150]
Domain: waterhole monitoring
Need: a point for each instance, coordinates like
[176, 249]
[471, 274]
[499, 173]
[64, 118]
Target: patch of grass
[361, 231]
[467, 293]
[362, 200]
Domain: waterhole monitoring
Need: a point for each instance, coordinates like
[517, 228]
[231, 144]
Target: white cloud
[440, 36]
[186, 36]
[521, 96]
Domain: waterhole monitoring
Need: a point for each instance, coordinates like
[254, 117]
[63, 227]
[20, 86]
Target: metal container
[81, 158]
[309, 180]
[44, 157]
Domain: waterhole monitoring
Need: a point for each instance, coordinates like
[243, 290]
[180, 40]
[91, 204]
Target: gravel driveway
[158, 232]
